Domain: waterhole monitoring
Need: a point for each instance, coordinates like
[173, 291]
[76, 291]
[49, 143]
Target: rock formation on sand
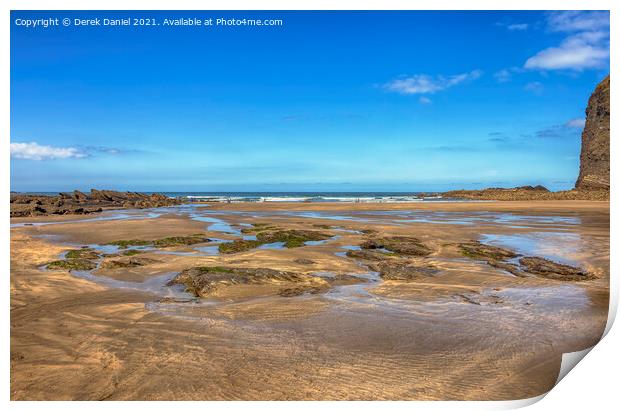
[594, 167]
[593, 181]
[28, 205]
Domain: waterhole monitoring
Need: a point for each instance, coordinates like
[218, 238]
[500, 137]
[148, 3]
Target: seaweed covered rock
[267, 235]
[369, 255]
[477, 250]
[180, 240]
[549, 269]
[203, 281]
[238, 246]
[291, 238]
[403, 271]
[127, 262]
[402, 245]
[81, 259]
[162, 242]
[526, 266]
[74, 264]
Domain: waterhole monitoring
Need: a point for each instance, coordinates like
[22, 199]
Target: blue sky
[329, 101]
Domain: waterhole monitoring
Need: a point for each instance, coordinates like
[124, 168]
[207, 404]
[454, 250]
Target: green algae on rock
[203, 281]
[73, 264]
[291, 238]
[399, 245]
[238, 246]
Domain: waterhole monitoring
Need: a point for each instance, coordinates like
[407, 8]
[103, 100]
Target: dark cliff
[594, 168]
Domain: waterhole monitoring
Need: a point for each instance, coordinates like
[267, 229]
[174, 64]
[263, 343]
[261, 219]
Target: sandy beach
[343, 323]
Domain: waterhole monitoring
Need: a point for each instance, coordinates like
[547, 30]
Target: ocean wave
[310, 198]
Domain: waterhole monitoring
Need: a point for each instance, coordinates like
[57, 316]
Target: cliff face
[594, 168]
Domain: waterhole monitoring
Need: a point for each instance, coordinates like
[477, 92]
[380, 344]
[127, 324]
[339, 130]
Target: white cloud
[577, 20]
[34, 151]
[513, 26]
[517, 27]
[574, 53]
[425, 100]
[503, 76]
[586, 48]
[425, 84]
[535, 87]
[576, 123]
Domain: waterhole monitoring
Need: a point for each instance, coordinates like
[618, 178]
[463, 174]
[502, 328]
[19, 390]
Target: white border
[591, 385]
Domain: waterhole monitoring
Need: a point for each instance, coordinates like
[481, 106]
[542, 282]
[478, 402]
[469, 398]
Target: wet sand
[470, 332]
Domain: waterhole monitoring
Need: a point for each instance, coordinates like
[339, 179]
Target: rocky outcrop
[526, 266]
[269, 235]
[493, 193]
[127, 262]
[28, 205]
[594, 167]
[403, 271]
[204, 281]
[528, 194]
[400, 245]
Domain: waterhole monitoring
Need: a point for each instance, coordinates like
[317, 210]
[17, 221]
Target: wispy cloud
[513, 26]
[561, 130]
[497, 137]
[517, 26]
[425, 100]
[577, 20]
[576, 123]
[425, 84]
[551, 132]
[535, 87]
[35, 151]
[503, 76]
[585, 47]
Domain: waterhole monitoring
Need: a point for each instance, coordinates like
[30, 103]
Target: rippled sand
[470, 332]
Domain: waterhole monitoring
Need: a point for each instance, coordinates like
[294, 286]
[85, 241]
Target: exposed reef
[269, 234]
[525, 266]
[162, 242]
[204, 281]
[238, 246]
[369, 255]
[127, 262]
[29, 205]
[403, 271]
[401, 245]
[291, 238]
[82, 259]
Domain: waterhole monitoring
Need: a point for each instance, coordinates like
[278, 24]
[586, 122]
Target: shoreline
[488, 205]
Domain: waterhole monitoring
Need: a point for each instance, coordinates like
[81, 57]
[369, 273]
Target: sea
[308, 197]
[293, 196]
